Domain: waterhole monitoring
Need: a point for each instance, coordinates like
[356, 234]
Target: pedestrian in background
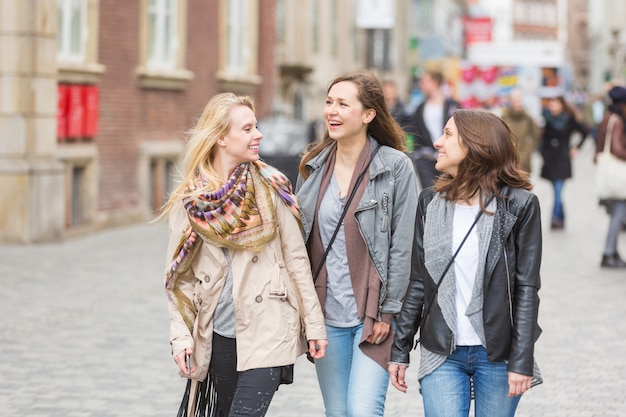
[616, 206]
[473, 293]
[427, 123]
[239, 281]
[560, 124]
[523, 126]
[395, 105]
[361, 263]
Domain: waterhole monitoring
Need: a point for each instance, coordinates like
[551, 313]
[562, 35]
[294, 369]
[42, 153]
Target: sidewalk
[84, 327]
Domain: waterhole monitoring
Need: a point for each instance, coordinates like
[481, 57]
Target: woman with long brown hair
[473, 292]
[360, 261]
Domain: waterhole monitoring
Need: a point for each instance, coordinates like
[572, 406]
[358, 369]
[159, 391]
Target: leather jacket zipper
[508, 287]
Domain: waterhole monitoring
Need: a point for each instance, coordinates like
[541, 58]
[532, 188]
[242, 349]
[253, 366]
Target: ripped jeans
[246, 393]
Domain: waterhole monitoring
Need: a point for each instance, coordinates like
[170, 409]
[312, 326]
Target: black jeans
[246, 393]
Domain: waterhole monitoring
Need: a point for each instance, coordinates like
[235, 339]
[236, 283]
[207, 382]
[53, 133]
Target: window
[81, 183]
[158, 173]
[237, 33]
[280, 20]
[379, 49]
[162, 182]
[76, 209]
[72, 30]
[334, 27]
[239, 36]
[163, 45]
[162, 34]
[315, 25]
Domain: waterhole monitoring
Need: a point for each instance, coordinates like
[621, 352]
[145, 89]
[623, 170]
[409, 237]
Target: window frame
[80, 68]
[65, 31]
[169, 74]
[244, 76]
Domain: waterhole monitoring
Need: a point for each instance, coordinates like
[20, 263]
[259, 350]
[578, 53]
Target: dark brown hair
[383, 127]
[492, 159]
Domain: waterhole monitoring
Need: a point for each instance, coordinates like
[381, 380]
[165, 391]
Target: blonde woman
[241, 298]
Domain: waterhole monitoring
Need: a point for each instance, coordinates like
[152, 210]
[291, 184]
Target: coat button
[255, 258]
[207, 278]
[258, 299]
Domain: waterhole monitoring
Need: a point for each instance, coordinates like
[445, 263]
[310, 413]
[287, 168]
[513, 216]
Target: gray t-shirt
[340, 305]
[224, 319]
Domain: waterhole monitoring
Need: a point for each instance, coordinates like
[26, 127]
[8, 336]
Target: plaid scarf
[239, 215]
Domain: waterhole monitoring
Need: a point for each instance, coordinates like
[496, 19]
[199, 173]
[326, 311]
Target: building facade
[607, 44]
[97, 95]
[117, 84]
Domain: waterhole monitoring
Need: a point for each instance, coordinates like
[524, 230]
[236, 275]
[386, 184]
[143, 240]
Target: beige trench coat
[271, 329]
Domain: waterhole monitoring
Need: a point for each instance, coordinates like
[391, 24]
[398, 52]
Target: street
[84, 328]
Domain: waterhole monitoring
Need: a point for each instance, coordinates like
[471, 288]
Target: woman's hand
[181, 361]
[317, 348]
[397, 375]
[518, 384]
[379, 333]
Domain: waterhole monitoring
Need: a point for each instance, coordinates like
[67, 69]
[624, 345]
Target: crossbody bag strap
[343, 215]
[426, 310]
[608, 135]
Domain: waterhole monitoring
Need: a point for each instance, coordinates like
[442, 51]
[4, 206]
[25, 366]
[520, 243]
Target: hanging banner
[477, 29]
[375, 14]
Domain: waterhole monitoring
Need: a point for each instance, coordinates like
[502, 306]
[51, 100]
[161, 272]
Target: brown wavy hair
[383, 127]
[492, 159]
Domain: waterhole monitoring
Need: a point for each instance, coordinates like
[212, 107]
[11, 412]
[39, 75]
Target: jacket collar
[503, 222]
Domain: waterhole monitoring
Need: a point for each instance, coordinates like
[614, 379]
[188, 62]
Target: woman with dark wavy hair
[473, 291]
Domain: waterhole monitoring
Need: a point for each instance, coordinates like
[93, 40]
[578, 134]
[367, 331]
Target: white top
[433, 119]
[465, 267]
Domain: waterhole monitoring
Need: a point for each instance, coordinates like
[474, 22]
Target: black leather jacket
[511, 285]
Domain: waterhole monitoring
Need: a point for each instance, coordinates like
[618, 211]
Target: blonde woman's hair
[214, 123]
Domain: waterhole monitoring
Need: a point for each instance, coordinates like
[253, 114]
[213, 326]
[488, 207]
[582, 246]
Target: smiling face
[241, 143]
[345, 116]
[451, 149]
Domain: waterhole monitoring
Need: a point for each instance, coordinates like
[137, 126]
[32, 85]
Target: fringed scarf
[239, 215]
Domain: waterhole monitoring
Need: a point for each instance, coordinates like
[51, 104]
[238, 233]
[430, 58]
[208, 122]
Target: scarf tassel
[203, 402]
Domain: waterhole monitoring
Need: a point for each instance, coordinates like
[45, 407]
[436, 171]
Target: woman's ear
[369, 115]
[221, 141]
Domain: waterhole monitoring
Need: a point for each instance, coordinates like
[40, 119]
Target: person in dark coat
[427, 123]
[560, 124]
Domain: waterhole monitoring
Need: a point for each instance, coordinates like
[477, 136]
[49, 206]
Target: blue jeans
[352, 384]
[618, 214]
[557, 211]
[447, 391]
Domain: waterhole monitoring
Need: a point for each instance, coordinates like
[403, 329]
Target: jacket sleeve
[297, 263]
[525, 301]
[180, 337]
[402, 230]
[408, 321]
[583, 129]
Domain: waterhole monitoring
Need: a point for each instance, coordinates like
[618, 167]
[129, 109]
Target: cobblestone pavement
[84, 328]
